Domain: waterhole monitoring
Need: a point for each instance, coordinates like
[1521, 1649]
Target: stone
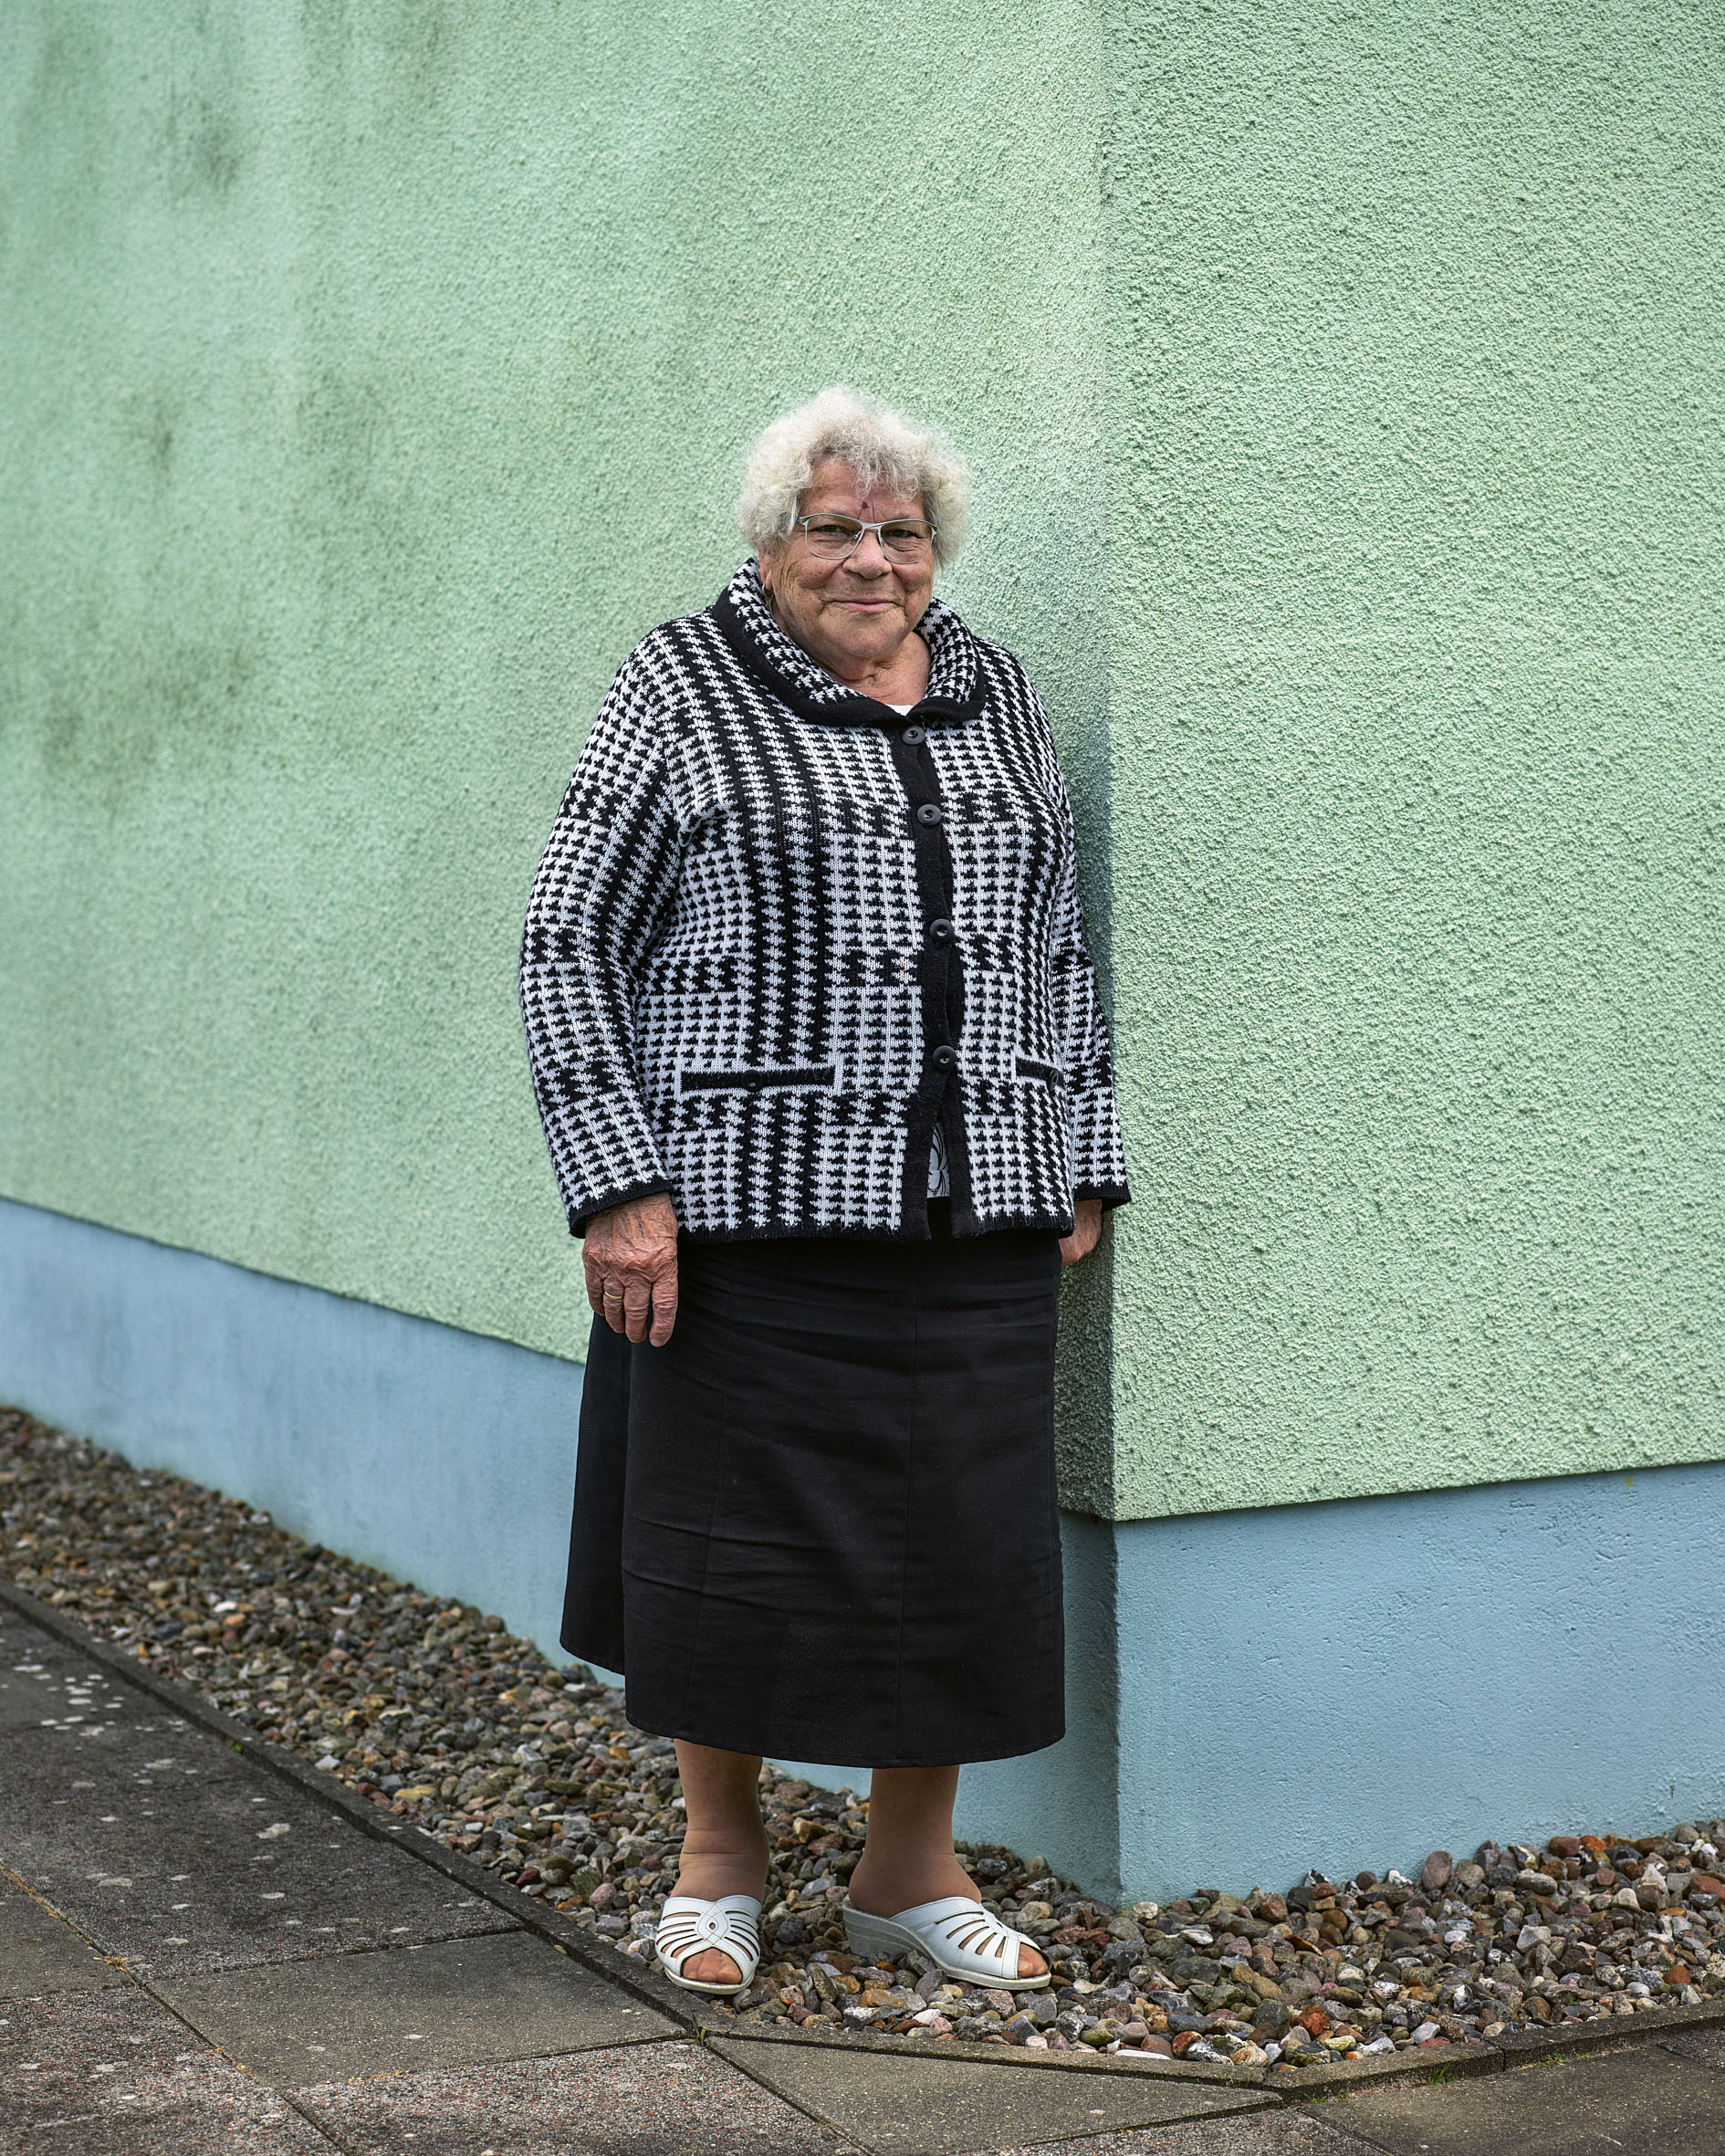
[1434, 1874]
[557, 1781]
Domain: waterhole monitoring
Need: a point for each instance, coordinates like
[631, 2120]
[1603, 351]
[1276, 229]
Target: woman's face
[854, 614]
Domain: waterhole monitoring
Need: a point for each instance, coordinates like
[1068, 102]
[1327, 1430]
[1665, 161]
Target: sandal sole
[863, 1930]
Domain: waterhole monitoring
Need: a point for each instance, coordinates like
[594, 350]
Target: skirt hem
[799, 1749]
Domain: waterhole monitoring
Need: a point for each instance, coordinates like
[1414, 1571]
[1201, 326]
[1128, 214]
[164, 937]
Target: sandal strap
[969, 1930]
[688, 1926]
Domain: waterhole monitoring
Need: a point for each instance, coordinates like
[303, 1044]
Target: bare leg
[909, 1855]
[724, 1847]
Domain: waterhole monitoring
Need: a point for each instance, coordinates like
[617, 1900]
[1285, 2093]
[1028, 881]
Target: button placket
[939, 970]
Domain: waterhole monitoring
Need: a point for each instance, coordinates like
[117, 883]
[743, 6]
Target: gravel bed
[434, 1713]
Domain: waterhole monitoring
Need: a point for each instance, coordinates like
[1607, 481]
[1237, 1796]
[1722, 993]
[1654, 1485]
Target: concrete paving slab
[41, 1680]
[1706, 2046]
[669, 2099]
[1266, 2133]
[936, 2106]
[1644, 2101]
[175, 1852]
[40, 1954]
[113, 2073]
[460, 2003]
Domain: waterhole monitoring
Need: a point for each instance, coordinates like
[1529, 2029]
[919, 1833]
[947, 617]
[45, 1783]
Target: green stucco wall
[1344, 391]
[374, 376]
[1418, 468]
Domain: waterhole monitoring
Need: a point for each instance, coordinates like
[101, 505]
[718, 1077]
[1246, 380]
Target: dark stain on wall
[202, 146]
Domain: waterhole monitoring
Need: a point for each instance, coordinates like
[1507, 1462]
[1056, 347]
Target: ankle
[882, 1888]
[711, 1874]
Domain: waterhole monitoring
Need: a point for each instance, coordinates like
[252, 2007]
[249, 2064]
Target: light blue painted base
[1247, 1694]
[1359, 1683]
[443, 1458]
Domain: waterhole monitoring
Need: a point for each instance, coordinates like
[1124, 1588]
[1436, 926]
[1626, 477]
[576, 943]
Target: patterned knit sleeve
[604, 887]
[1099, 1158]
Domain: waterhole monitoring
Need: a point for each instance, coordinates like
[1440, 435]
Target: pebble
[435, 1714]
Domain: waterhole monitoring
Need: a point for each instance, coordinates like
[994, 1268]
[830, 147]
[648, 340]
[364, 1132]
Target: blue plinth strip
[1360, 1683]
[446, 1459]
[1248, 1693]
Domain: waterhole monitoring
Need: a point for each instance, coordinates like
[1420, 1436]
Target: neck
[900, 677]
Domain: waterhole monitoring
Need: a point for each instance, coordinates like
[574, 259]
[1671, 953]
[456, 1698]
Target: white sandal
[688, 1927]
[960, 1937]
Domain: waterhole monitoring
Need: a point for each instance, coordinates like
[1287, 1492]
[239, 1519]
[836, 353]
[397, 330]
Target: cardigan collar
[956, 691]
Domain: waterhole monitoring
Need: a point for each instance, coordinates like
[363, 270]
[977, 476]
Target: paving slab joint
[700, 2020]
[1466, 2061]
[645, 1984]
[695, 2016]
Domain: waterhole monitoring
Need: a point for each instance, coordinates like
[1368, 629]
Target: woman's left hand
[1087, 1220]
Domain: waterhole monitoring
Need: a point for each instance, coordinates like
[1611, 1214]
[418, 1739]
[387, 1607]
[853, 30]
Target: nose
[868, 556]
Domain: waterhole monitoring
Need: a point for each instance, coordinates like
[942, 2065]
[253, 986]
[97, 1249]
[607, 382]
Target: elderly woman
[818, 1050]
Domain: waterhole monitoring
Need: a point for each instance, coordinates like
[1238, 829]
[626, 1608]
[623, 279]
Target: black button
[944, 1059]
[940, 932]
[928, 814]
[914, 736]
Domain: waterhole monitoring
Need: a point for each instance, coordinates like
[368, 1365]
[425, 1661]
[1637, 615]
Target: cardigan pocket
[804, 1077]
[1026, 1066]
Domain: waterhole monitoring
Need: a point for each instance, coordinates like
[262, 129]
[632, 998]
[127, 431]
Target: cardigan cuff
[625, 1194]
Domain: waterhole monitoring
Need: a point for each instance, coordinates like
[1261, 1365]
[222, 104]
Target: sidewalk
[200, 1953]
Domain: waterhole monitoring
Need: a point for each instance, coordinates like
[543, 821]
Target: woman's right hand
[631, 1257]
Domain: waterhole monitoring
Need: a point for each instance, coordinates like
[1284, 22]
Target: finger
[637, 1303]
[612, 1302]
[664, 1308]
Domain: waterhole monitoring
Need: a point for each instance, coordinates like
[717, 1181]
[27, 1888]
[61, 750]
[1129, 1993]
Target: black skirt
[820, 1522]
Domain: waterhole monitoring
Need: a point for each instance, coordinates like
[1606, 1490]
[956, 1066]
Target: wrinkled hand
[1086, 1231]
[631, 1256]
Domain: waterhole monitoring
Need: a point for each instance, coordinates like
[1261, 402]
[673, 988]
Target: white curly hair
[880, 445]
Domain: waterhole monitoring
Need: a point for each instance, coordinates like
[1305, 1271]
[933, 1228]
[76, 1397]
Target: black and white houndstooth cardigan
[780, 932]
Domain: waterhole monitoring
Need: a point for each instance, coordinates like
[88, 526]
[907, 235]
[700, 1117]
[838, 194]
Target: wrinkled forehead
[835, 485]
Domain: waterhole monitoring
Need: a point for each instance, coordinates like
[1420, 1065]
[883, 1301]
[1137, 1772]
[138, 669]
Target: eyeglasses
[834, 539]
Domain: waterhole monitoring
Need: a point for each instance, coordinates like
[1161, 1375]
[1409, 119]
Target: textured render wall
[1416, 326]
[374, 377]
[1361, 1683]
